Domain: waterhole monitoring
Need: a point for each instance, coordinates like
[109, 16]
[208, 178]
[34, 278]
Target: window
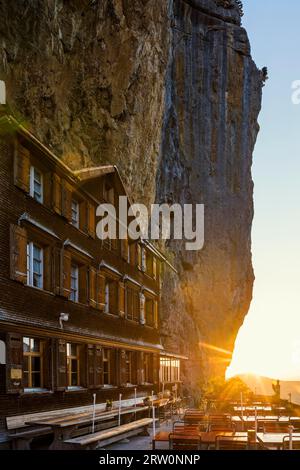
[73, 365]
[36, 184]
[75, 213]
[169, 370]
[34, 265]
[32, 363]
[128, 360]
[74, 283]
[106, 367]
[111, 297]
[132, 304]
[149, 308]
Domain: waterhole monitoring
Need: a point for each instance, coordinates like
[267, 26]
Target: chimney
[2, 93]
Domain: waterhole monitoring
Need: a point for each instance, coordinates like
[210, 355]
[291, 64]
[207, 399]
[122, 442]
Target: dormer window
[75, 213]
[36, 184]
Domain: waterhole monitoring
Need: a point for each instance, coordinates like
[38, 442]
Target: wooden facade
[77, 315]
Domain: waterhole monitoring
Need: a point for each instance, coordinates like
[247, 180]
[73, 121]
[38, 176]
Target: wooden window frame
[128, 361]
[69, 358]
[30, 262]
[32, 180]
[75, 222]
[74, 266]
[107, 294]
[30, 354]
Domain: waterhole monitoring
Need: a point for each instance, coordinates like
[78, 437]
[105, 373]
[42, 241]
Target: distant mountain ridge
[263, 386]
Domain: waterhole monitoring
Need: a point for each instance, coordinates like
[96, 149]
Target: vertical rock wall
[168, 92]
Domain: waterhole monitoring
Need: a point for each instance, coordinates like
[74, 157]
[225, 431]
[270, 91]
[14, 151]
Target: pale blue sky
[267, 343]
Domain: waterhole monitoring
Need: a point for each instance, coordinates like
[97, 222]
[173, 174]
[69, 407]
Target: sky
[268, 344]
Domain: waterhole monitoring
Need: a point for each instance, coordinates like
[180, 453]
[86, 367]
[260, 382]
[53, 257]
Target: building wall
[31, 312]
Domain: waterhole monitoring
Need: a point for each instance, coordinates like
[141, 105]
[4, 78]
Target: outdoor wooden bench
[104, 438]
[22, 440]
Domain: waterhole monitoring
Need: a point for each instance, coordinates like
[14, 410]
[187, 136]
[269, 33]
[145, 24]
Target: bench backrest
[18, 421]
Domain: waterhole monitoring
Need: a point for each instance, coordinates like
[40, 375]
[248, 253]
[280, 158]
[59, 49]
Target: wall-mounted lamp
[63, 317]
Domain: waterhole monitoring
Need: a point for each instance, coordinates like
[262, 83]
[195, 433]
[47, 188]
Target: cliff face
[168, 92]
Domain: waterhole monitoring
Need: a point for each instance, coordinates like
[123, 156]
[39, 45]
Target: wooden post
[94, 412]
[291, 429]
[120, 404]
[153, 413]
[242, 411]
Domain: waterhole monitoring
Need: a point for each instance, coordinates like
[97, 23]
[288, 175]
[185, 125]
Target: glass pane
[35, 345]
[36, 379]
[25, 364]
[26, 344]
[35, 364]
[25, 379]
[74, 379]
[74, 365]
[73, 349]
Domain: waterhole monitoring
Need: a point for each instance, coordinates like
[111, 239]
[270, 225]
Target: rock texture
[167, 91]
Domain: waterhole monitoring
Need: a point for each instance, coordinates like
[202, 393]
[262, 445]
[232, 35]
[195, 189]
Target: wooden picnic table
[253, 408]
[271, 440]
[63, 427]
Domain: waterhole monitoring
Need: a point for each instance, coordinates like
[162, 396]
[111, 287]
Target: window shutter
[121, 298]
[122, 369]
[154, 268]
[92, 287]
[47, 189]
[22, 168]
[114, 297]
[56, 193]
[155, 368]
[83, 365]
[155, 313]
[48, 269]
[60, 366]
[124, 249]
[47, 363]
[83, 284]
[100, 291]
[14, 363]
[18, 254]
[57, 270]
[83, 216]
[66, 201]
[66, 278]
[91, 214]
[98, 367]
[139, 255]
[133, 254]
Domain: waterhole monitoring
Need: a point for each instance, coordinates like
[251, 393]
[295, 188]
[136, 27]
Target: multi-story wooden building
[77, 315]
